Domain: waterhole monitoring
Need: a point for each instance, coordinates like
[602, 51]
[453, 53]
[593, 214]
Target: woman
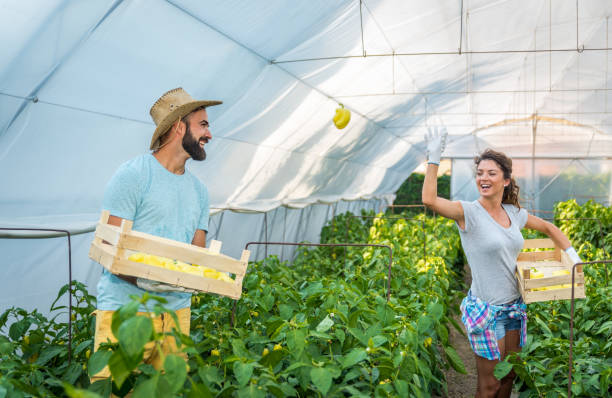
[490, 230]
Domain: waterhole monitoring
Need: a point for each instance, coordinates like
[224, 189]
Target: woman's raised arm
[435, 145]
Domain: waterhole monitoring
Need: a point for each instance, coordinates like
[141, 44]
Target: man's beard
[192, 146]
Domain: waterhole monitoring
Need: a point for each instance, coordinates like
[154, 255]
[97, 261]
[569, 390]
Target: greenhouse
[330, 114]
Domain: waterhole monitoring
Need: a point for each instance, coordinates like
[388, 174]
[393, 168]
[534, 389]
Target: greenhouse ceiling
[77, 79]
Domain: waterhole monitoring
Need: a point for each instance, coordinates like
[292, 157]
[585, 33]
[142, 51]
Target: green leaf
[359, 335]
[544, 327]
[146, 389]
[355, 356]
[588, 324]
[287, 390]
[18, 329]
[126, 311]
[210, 374]
[28, 388]
[240, 349]
[119, 368]
[502, 369]
[98, 361]
[456, 326]
[386, 315]
[285, 311]
[295, 365]
[79, 348]
[252, 391]
[176, 372]
[436, 310]
[401, 386]
[321, 378]
[61, 292]
[199, 391]
[272, 358]
[78, 393]
[340, 335]
[325, 324]
[102, 387]
[243, 372]
[320, 335]
[6, 347]
[454, 360]
[73, 372]
[48, 353]
[379, 340]
[134, 333]
[442, 332]
[424, 324]
[296, 342]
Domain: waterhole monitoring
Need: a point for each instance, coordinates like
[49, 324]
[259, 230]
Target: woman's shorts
[503, 324]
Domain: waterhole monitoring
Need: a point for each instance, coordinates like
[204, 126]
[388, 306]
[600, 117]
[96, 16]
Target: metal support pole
[69, 278]
[571, 338]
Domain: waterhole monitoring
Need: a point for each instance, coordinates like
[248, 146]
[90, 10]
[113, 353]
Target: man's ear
[179, 128]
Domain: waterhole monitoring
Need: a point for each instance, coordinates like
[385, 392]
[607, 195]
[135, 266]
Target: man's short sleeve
[123, 193]
[205, 209]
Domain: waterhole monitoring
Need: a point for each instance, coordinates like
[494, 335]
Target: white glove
[160, 287]
[571, 252]
[436, 141]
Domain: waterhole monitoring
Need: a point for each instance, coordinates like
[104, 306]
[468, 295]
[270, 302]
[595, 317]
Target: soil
[460, 385]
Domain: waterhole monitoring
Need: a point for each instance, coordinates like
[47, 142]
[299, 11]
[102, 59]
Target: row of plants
[543, 365]
[321, 326]
[409, 193]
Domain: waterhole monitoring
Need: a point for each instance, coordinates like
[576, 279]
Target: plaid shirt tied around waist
[479, 319]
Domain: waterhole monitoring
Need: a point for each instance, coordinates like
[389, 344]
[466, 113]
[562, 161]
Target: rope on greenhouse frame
[64, 231]
[428, 53]
[571, 337]
[246, 247]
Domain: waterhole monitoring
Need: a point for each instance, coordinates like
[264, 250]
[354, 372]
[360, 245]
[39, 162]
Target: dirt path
[459, 385]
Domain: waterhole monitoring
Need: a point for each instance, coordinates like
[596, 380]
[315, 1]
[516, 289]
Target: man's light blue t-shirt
[159, 203]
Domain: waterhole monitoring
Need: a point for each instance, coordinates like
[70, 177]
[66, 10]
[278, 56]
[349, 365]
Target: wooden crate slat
[215, 246]
[112, 244]
[556, 294]
[244, 259]
[103, 254]
[520, 286]
[537, 256]
[179, 251]
[538, 244]
[108, 233]
[102, 221]
[127, 267]
[552, 281]
[547, 262]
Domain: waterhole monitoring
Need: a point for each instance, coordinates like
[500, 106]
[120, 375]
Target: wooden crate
[112, 245]
[547, 262]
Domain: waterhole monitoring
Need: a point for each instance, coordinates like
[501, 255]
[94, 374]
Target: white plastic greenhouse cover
[77, 78]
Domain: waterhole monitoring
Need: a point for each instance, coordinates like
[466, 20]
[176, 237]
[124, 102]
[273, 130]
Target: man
[162, 198]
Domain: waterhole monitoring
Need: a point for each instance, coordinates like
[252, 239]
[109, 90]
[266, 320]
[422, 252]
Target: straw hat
[169, 108]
